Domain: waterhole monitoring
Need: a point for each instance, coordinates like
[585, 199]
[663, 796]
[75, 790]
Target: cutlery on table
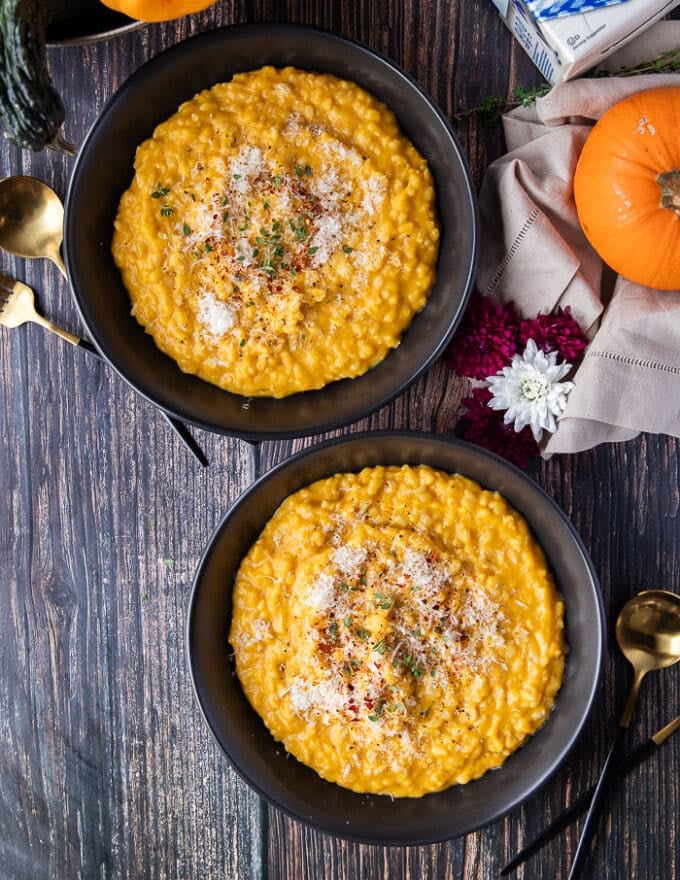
[648, 634]
[17, 306]
[32, 226]
[580, 805]
[31, 219]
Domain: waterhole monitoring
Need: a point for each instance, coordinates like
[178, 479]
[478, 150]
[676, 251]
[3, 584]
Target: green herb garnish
[351, 666]
[411, 664]
[378, 711]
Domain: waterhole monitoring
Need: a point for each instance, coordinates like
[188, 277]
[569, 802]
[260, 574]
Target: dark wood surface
[106, 768]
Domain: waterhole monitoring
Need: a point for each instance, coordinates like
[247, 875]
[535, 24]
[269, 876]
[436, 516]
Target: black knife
[580, 805]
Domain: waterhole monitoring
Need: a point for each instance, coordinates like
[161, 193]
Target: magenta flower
[485, 427]
[557, 331]
[486, 340]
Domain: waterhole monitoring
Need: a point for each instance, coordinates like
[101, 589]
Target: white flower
[530, 390]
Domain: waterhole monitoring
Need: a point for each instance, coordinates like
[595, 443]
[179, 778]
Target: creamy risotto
[279, 233]
[398, 629]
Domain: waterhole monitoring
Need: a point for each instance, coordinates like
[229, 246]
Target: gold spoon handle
[59, 263]
[627, 713]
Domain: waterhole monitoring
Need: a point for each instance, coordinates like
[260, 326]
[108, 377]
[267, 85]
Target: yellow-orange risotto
[279, 233]
[398, 629]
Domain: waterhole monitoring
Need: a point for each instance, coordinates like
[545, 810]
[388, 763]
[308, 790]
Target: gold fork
[17, 306]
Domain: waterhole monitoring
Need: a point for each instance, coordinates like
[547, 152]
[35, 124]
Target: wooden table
[106, 768]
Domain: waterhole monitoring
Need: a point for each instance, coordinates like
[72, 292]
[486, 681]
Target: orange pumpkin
[157, 10]
[627, 187]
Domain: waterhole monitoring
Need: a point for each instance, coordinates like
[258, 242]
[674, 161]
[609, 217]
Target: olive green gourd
[31, 108]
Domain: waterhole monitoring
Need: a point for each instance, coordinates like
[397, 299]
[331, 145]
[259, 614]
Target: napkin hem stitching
[635, 362]
[503, 265]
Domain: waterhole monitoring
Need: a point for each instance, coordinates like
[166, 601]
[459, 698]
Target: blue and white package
[544, 9]
[565, 38]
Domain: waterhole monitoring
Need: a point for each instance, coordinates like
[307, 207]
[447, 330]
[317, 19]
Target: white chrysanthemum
[530, 390]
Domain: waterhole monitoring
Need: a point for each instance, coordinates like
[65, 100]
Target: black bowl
[104, 169]
[89, 25]
[290, 785]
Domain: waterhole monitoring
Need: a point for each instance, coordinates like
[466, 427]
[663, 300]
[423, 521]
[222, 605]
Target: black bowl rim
[496, 460]
[117, 24]
[466, 289]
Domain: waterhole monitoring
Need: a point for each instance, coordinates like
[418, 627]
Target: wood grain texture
[107, 768]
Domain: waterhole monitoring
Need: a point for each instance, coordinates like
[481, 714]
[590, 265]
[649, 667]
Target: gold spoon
[648, 634]
[31, 219]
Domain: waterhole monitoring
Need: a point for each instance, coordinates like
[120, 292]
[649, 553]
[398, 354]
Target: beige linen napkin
[534, 253]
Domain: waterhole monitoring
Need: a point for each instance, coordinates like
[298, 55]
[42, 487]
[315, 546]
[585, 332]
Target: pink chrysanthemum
[557, 331]
[486, 339]
[484, 427]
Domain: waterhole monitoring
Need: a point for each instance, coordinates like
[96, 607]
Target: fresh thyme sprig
[668, 62]
[493, 107]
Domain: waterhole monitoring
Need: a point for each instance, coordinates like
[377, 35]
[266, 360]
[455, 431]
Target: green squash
[31, 108]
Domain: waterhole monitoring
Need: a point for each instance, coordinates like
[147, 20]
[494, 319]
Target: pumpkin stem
[669, 182]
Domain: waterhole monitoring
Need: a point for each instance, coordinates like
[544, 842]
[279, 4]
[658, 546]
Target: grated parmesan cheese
[248, 164]
[349, 559]
[448, 622]
[324, 695]
[271, 191]
[328, 236]
[321, 592]
[375, 189]
[216, 317]
[402, 650]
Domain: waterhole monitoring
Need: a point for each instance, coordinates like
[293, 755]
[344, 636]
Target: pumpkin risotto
[279, 233]
[398, 629]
